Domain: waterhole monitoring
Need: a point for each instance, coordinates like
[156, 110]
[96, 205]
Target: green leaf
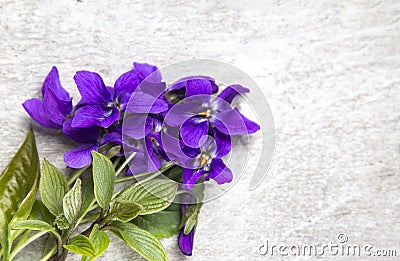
[162, 224]
[40, 212]
[153, 195]
[72, 202]
[18, 188]
[124, 210]
[87, 195]
[33, 225]
[100, 241]
[81, 245]
[139, 240]
[103, 178]
[174, 173]
[53, 188]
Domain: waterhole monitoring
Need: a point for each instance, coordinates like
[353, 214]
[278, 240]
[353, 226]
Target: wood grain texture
[330, 70]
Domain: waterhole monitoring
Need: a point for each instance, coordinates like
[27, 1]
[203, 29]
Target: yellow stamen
[204, 114]
[203, 161]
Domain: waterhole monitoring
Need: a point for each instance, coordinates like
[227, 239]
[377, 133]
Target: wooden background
[330, 71]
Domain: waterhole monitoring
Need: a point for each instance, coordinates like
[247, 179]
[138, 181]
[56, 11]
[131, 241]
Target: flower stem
[145, 174]
[49, 254]
[116, 162]
[20, 245]
[76, 175]
[123, 165]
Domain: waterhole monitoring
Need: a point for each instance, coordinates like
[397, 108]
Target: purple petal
[95, 115]
[250, 125]
[195, 87]
[153, 162]
[183, 111]
[57, 109]
[155, 89]
[148, 70]
[80, 156]
[112, 137]
[173, 148]
[190, 177]
[126, 84]
[34, 107]
[185, 242]
[141, 102]
[109, 120]
[137, 125]
[83, 135]
[219, 172]
[92, 88]
[224, 143]
[230, 92]
[52, 82]
[181, 83]
[193, 130]
[232, 122]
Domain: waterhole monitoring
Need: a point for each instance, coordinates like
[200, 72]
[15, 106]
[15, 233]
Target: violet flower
[204, 162]
[55, 106]
[101, 105]
[97, 106]
[185, 242]
[195, 115]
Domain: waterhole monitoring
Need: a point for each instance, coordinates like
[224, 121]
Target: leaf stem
[145, 174]
[19, 246]
[49, 254]
[123, 165]
[116, 162]
[76, 174]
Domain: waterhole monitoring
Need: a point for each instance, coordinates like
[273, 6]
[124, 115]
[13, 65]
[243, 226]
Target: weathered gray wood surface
[330, 70]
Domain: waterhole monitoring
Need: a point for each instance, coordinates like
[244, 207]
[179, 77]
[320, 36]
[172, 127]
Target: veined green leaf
[33, 225]
[153, 195]
[18, 187]
[162, 224]
[87, 195]
[103, 179]
[72, 202]
[139, 240]
[124, 210]
[81, 245]
[100, 241]
[53, 188]
[40, 212]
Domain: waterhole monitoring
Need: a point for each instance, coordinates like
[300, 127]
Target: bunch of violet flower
[189, 123]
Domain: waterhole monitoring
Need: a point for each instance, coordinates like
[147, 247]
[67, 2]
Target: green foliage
[142, 241]
[153, 195]
[103, 178]
[18, 188]
[53, 188]
[81, 245]
[100, 241]
[162, 224]
[72, 202]
[124, 210]
[33, 225]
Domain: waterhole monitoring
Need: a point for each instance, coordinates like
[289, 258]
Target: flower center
[206, 114]
[204, 159]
